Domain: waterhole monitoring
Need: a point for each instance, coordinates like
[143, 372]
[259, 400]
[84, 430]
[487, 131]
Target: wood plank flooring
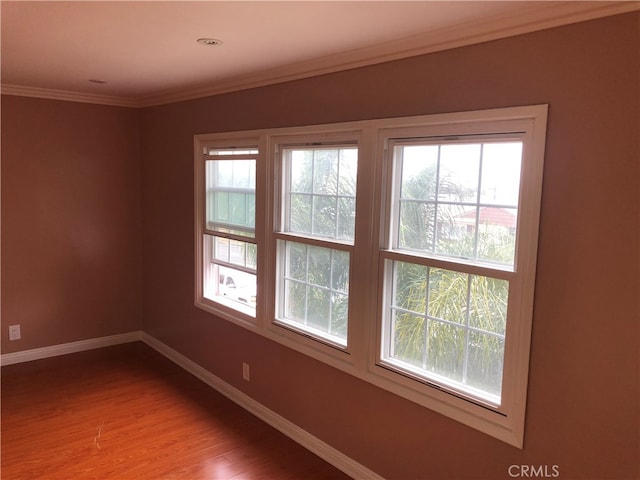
[127, 413]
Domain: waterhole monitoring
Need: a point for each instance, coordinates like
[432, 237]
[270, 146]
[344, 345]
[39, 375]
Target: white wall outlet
[245, 372]
[14, 332]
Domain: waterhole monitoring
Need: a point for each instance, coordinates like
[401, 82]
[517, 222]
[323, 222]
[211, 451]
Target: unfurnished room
[312, 240]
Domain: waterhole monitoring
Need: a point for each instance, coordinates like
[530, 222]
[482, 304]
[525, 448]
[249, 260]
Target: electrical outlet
[14, 332]
[245, 372]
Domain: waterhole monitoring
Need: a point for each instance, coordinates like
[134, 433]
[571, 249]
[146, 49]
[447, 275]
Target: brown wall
[583, 392]
[71, 234]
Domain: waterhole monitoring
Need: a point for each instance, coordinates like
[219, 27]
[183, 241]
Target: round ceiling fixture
[209, 42]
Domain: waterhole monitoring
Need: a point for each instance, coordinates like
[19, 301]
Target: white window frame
[228, 309]
[282, 232]
[362, 357]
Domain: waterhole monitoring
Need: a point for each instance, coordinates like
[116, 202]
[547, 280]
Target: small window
[230, 250]
[315, 241]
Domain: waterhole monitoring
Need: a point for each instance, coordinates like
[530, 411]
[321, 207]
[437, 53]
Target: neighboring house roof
[489, 216]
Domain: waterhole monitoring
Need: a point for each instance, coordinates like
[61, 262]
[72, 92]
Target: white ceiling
[147, 52]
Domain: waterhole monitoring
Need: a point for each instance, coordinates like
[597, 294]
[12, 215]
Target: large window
[315, 239]
[401, 251]
[454, 201]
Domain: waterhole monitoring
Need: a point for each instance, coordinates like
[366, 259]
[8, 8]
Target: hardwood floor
[127, 413]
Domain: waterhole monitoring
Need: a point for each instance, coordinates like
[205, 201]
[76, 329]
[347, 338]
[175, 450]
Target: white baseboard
[65, 348]
[291, 430]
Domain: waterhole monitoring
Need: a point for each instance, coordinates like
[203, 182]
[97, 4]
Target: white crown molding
[68, 96]
[541, 16]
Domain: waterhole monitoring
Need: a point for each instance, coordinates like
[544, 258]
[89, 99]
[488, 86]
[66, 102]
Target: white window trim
[361, 358]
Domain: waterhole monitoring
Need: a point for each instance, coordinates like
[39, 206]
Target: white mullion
[465, 360]
[450, 264]
[436, 202]
[477, 232]
[332, 244]
[427, 293]
[307, 289]
[232, 236]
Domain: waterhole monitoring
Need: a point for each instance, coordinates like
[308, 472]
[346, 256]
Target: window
[229, 243]
[401, 251]
[315, 239]
[454, 201]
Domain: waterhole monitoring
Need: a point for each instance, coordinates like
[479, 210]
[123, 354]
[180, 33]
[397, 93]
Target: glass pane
[448, 295]
[410, 287]
[319, 271]
[456, 230]
[459, 221]
[346, 218]
[301, 168]
[296, 259]
[340, 271]
[419, 171]
[237, 285]
[295, 306]
[243, 254]
[321, 193]
[300, 221]
[348, 172]
[501, 164]
[486, 358]
[221, 205]
[317, 300]
[417, 221]
[447, 323]
[409, 341]
[488, 308]
[230, 192]
[339, 315]
[497, 234]
[459, 170]
[324, 216]
[319, 308]
[325, 173]
[445, 350]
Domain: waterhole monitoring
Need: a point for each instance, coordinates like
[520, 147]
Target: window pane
[419, 171]
[488, 304]
[237, 285]
[459, 170]
[486, 358]
[448, 295]
[446, 323]
[230, 194]
[445, 351]
[416, 225]
[325, 171]
[456, 230]
[410, 287]
[409, 338]
[315, 288]
[501, 164]
[235, 252]
[300, 221]
[301, 166]
[320, 191]
[440, 209]
[497, 234]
